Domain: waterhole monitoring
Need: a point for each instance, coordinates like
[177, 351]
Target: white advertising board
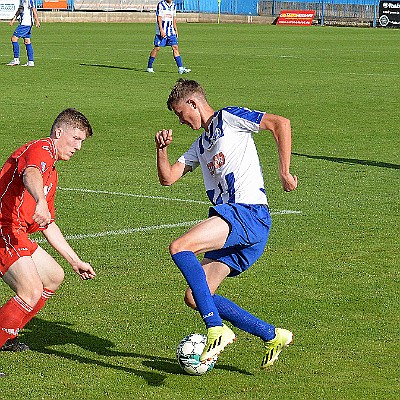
[8, 8]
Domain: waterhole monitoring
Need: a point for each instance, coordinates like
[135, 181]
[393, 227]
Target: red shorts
[14, 245]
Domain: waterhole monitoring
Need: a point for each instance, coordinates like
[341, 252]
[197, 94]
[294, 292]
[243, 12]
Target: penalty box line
[128, 231]
[142, 196]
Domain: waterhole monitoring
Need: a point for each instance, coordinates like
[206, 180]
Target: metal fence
[361, 9]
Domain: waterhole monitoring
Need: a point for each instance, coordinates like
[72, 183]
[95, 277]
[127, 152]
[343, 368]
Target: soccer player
[236, 232]
[166, 35]
[27, 15]
[28, 182]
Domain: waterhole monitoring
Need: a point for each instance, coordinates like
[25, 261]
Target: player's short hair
[74, 119]
[182, 90]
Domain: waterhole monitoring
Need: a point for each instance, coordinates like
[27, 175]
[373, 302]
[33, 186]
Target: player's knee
[175, 247]
[56, 279]
[31, 294]
[189, 300]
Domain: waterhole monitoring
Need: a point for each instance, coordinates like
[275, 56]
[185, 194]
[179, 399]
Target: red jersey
[17, 206]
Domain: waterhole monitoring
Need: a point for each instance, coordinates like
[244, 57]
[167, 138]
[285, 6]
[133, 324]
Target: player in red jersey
[28, 183]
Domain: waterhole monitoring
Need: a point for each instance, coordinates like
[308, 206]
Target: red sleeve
[40, 154]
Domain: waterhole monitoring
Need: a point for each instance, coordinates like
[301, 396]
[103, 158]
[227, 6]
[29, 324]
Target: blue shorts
[249, 229]
[160, 41]
[23, 31]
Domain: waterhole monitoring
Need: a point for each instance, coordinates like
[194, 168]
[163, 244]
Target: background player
[166, 34]
[28, 182]
[236, 232]
[28, 15]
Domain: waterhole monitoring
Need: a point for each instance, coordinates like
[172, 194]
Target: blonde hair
[72, 118]
[182, 90]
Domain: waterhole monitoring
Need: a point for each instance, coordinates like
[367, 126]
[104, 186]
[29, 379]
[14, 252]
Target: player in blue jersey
[28, 16]
[236, 232]
[166, 35]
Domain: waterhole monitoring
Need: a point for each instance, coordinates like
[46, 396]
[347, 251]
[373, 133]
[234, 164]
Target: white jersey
[228, 157]
[26, 16]
[167, 12]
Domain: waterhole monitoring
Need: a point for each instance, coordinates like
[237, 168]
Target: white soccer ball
[188, 354]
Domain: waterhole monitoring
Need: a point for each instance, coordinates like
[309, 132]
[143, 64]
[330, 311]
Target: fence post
[322, 12]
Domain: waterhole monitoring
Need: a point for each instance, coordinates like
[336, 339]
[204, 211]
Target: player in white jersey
[166, 35]
[236, 232]
[28, 16]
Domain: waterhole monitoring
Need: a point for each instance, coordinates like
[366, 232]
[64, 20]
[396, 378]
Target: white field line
[128, 231]
[124, 231]
[131, 195]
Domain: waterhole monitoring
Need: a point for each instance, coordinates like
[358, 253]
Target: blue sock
[15, 49]
[242, 319]
[29, 51]
[195, 276]
[178, 61]
[150, 62]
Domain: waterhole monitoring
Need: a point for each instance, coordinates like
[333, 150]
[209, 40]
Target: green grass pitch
[330, 272]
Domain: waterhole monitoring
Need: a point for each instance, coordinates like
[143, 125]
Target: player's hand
[84, 270]
[163, 138]
[289, 182]
[42, 214]
[12, 22]
[163, 34]
[37, 24]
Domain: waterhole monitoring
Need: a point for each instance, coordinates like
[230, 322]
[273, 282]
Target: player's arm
[167, 173]
[17, 14]
[33, 182]
[282, 131]
[175, 27]
[58, 242]
[159, 22]
[36, 17]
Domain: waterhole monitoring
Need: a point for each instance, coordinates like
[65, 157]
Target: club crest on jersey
[216, 134]
[217, 162]
[47, 189]
[43, 165]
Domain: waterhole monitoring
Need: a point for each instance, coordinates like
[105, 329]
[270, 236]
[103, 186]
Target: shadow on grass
[351, 161]
[42, 335]
[126, 68]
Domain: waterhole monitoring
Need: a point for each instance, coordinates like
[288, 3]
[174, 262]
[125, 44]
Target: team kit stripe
[22, 304]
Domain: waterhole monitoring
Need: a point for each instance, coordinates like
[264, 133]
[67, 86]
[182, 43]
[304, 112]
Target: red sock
[47, 293]
[11, 317]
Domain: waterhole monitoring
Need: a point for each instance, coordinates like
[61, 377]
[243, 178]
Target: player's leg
[152, 57]
[216, 272]
[29, 52]
[207, 235]
[159, 42]
[16, 51]
[23, 278]
[51, 275]
[178, 60]
[246, 243]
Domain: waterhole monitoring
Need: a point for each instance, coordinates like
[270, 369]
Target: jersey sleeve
[159, 9]
[190, 157]
[39, 154]
[244, 118]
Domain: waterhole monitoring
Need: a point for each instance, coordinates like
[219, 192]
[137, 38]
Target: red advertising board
[296, 17]
[55, 4]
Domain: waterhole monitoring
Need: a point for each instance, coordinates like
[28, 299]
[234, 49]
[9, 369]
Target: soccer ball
[188, 354]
